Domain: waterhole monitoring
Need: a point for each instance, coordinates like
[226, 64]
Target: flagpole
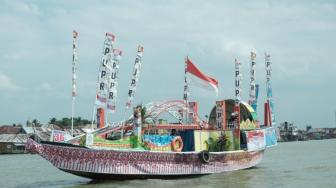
[74, 60]
[72, 114]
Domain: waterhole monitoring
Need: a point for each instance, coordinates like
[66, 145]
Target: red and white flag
[193, 70]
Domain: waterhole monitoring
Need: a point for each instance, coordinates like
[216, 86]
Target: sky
[36, 54]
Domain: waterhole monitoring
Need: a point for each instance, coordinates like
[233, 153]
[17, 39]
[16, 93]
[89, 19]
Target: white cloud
[6, 84]
[36, 50]
[24, 7]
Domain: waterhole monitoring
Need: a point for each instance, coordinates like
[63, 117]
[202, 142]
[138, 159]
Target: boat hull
[119, 164]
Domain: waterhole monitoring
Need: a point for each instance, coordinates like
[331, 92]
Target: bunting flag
[74, 62]
[135, 76]
[102, 86]
[207, 80]
[113, 80]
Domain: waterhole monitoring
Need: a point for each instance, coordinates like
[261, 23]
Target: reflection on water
[296, 164]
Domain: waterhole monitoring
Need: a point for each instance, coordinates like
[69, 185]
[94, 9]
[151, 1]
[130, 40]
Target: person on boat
[173, 132]
[137, 122]
[232, 119]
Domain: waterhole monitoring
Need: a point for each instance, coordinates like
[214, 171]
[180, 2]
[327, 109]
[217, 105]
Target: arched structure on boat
[246, 112]
[175, 108]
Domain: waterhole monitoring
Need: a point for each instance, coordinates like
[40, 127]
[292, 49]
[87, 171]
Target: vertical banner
[103, 70]
[253, 89]
[238, 79]
[269, 87]
[185, 91]
[74, 62]
[220, 115]
[135, 76]
[74, 67]
[113, 69]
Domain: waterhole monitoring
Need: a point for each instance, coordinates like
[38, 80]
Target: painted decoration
[255, 140]
[248, 125]
[102, 87]
[86, 162]
[202, 139]
[135, 76]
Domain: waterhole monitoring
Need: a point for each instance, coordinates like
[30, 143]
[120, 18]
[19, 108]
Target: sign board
[89, 139]
[57, 136]
[271, 137]
[255, 140]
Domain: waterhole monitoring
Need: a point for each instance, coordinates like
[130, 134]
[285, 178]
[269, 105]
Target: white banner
[135, 76]
[113, 80]
[103, 70]
[238, 79]
[74, 62]
[256, 140]
[253, 78]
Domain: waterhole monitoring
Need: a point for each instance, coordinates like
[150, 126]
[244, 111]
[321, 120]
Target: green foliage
[219, 144]
[66, 122]
[36, 122]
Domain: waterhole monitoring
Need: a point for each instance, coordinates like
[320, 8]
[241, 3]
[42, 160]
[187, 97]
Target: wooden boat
[147, 146]
[125, 162]
[122, 164]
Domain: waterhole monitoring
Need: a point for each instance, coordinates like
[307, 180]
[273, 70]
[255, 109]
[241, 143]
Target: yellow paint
[202, 137]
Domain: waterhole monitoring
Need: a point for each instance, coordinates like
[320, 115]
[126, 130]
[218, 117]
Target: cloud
[36, 51]
[6, 84]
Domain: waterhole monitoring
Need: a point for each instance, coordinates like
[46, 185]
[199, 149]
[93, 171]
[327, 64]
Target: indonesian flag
[192, 69]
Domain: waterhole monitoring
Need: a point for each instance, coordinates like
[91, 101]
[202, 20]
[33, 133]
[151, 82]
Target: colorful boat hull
[119, 164]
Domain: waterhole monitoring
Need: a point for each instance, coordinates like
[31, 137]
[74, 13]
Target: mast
[238, 79]
[253, 87]
[74, 62]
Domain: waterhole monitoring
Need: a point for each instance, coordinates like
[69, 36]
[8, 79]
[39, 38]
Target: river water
[294, 164]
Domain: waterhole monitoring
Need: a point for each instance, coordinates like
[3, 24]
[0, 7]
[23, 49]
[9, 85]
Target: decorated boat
[164, 139]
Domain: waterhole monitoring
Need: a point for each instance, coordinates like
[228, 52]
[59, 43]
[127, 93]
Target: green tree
[53, 121]
[35, 122]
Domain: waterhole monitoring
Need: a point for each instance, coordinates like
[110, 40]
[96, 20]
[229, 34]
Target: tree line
[66, 122]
